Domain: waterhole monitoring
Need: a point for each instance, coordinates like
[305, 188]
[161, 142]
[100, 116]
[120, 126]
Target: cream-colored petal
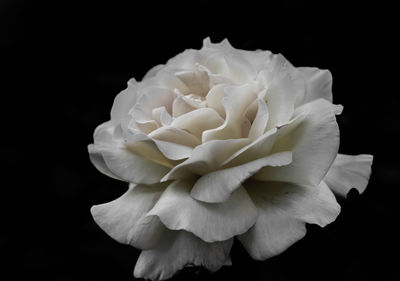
[97, 160]
[214, 99]
[236, 99]
[196, 80]
[152, 97]
[178, 210]
[318, 84]
[197, 121]
[131, 167]
[175, 135]
[153, 71]
[284, 85]
[157, 150]
[260, 121]
[347, 172]
[178, 249]
[123, 102]
[124, 219]
[217, 186]
[284, 209]
[206, 158]
[273, 232]
[314, 141]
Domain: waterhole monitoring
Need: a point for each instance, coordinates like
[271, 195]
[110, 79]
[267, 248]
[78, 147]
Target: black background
[62, 64]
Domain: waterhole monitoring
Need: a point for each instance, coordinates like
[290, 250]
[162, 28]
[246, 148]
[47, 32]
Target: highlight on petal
[314, 142]
[318, 84]
[178, 249]
[284, 209]
[349, 172]
[217, 186]
[177, 210]
[175, 135]
[124, 219]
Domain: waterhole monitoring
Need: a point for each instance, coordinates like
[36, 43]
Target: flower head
[218, 143]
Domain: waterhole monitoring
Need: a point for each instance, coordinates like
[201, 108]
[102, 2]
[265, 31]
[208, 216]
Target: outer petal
[314, 142]
[132, 168]
[124, 219]
[180, 248]
[97, 160]
[318, 84]
[283, 210]
[217, 186]
[123, 102]
[284, 85]
[349, 171]
[211, 222]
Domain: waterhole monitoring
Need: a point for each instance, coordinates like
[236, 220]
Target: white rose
[218, 143]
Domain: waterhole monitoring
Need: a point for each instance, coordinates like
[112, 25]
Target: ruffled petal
[217, 186]
[97, 160]
[314, 140]
[206, 158]
[235, 101]
[159, 151]
[349, 172]
[284, 209]
[124, 219]
[178, 210]
[178, 249]
[318, 84]
[260, 121]
[123, 102]
[175, 135]
[197, 121]
[284, 85]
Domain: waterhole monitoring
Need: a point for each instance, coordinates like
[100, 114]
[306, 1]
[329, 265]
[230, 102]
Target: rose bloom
[221, 143]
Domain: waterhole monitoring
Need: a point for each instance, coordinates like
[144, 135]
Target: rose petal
[153, 71]
[318, 84]
[214, 98]
[197, 121]
[97, 160]
[235, 101]
[284, 85]
[196, 80]
[205, 158]
[151, 98]
[217, 186]
[175, 135]
[132, 168]
[349, 172]
[178, 249]
[123, 102]
[124, 219]
[260, 121]
[211, 222]
[156, 150]
[314, 142]
[284, 208]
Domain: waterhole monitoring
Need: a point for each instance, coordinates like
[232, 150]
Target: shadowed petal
[284, 209]
[314, 142]
[124, 219]
[349, 172]
[178, 249]
[318, 84]
[217, 186]
[211, 222]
